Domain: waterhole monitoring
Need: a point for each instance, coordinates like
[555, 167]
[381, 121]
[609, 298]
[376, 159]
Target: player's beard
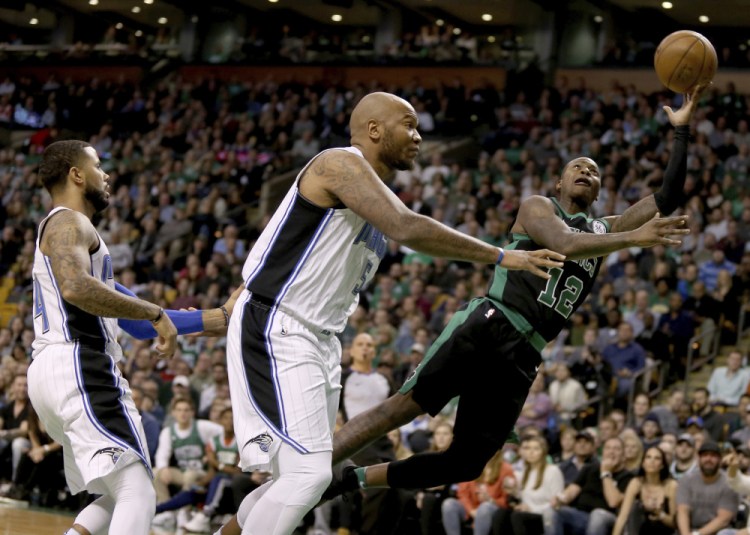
[391, 154]
[98, 198]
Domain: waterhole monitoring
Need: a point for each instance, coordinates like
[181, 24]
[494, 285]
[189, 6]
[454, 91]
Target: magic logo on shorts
[263, 441]
[113, 452]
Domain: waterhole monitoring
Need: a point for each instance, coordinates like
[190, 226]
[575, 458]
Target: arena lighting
[162, 20]
[136, 9]
[148, 1]
[273, 1]
[138, 33]
[456, 31]
[486, 17]
[491, 39]
[118, 26]
[336, 17]
[703, 18]
[667, 5]
[440, 22]
[598, 19]
[93, 2]
[34, 21]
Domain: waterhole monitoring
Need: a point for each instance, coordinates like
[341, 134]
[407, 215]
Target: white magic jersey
[312, 262]
[59, 322]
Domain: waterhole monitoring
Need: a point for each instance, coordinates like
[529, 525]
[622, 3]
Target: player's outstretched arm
[210, 322]
[670, 195]
[67, 243]
[339, 176]
[537, 219]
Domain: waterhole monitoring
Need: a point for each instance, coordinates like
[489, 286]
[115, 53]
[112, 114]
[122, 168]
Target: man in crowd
[705, 503]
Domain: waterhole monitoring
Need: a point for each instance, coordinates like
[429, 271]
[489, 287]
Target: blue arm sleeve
[186, 321]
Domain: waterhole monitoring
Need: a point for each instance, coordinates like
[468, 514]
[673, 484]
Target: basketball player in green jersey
[489, 353]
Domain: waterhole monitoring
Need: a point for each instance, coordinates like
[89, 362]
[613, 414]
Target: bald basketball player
[302, 280]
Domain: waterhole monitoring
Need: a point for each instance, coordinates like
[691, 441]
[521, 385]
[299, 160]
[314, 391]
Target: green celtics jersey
[547, 304]
[225, 454]
[188, 452]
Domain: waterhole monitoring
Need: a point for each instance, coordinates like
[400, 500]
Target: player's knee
[317, 481]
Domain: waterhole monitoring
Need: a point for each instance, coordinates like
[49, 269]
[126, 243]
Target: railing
[694, 346]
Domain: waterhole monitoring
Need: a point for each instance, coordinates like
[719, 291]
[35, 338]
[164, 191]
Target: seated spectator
[711, 421]
[738, 481]
[728, 383]
[585, 506]
[14, 426]
[180, 456]
[708, 272]
[41, 467]
[667, 413]
[685, 459]
[626, 358]
[151, 426]
[743, 435]
[679, 326]
[649, 505]
[641, 409]
[705, 502]
[538, 407]
[567, 444]
[538, 483]
[583, 453]
[650, 432]
[477, 501]
[632, 450]
[566, 393]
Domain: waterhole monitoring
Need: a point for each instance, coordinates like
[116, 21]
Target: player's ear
[374, 129]
[76, 174]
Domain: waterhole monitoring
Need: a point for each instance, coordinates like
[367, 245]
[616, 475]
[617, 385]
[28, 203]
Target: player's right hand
[659, 231]
[166, 343]
[533, 261]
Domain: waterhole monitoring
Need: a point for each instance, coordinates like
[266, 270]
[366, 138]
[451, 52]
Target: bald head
[384, 127]
[376, 108]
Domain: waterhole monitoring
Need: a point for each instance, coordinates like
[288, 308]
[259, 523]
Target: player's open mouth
[583, 181]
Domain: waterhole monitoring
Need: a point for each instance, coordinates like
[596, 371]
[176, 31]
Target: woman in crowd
[539, 482]
[633, 449]
[479, 500]
[649, 505]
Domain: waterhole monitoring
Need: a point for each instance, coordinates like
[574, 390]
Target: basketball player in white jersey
[74, 383]
[302, 280]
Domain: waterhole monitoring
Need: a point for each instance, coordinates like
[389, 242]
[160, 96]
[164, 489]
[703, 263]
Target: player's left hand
[689, 103]
[532, 261]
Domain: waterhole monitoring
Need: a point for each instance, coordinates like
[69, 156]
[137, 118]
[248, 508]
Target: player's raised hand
[533, 261]
[166, 343]
[660, 230]
[689, 103]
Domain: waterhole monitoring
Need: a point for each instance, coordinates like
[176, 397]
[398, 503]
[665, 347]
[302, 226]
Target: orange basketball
[684, 59]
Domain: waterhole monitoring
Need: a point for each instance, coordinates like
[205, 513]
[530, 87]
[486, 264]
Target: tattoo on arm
[354, 182]
[636, 215]
[67, 244]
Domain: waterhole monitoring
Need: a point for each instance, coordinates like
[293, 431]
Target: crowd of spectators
[186, 163]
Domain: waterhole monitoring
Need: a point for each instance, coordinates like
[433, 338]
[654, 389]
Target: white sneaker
[200, 523]
[164, 520]
[183, 517]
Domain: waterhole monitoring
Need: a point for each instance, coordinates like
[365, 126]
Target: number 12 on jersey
[563, 304]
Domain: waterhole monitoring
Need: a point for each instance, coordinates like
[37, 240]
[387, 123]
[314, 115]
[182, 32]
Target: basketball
[684, 59]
